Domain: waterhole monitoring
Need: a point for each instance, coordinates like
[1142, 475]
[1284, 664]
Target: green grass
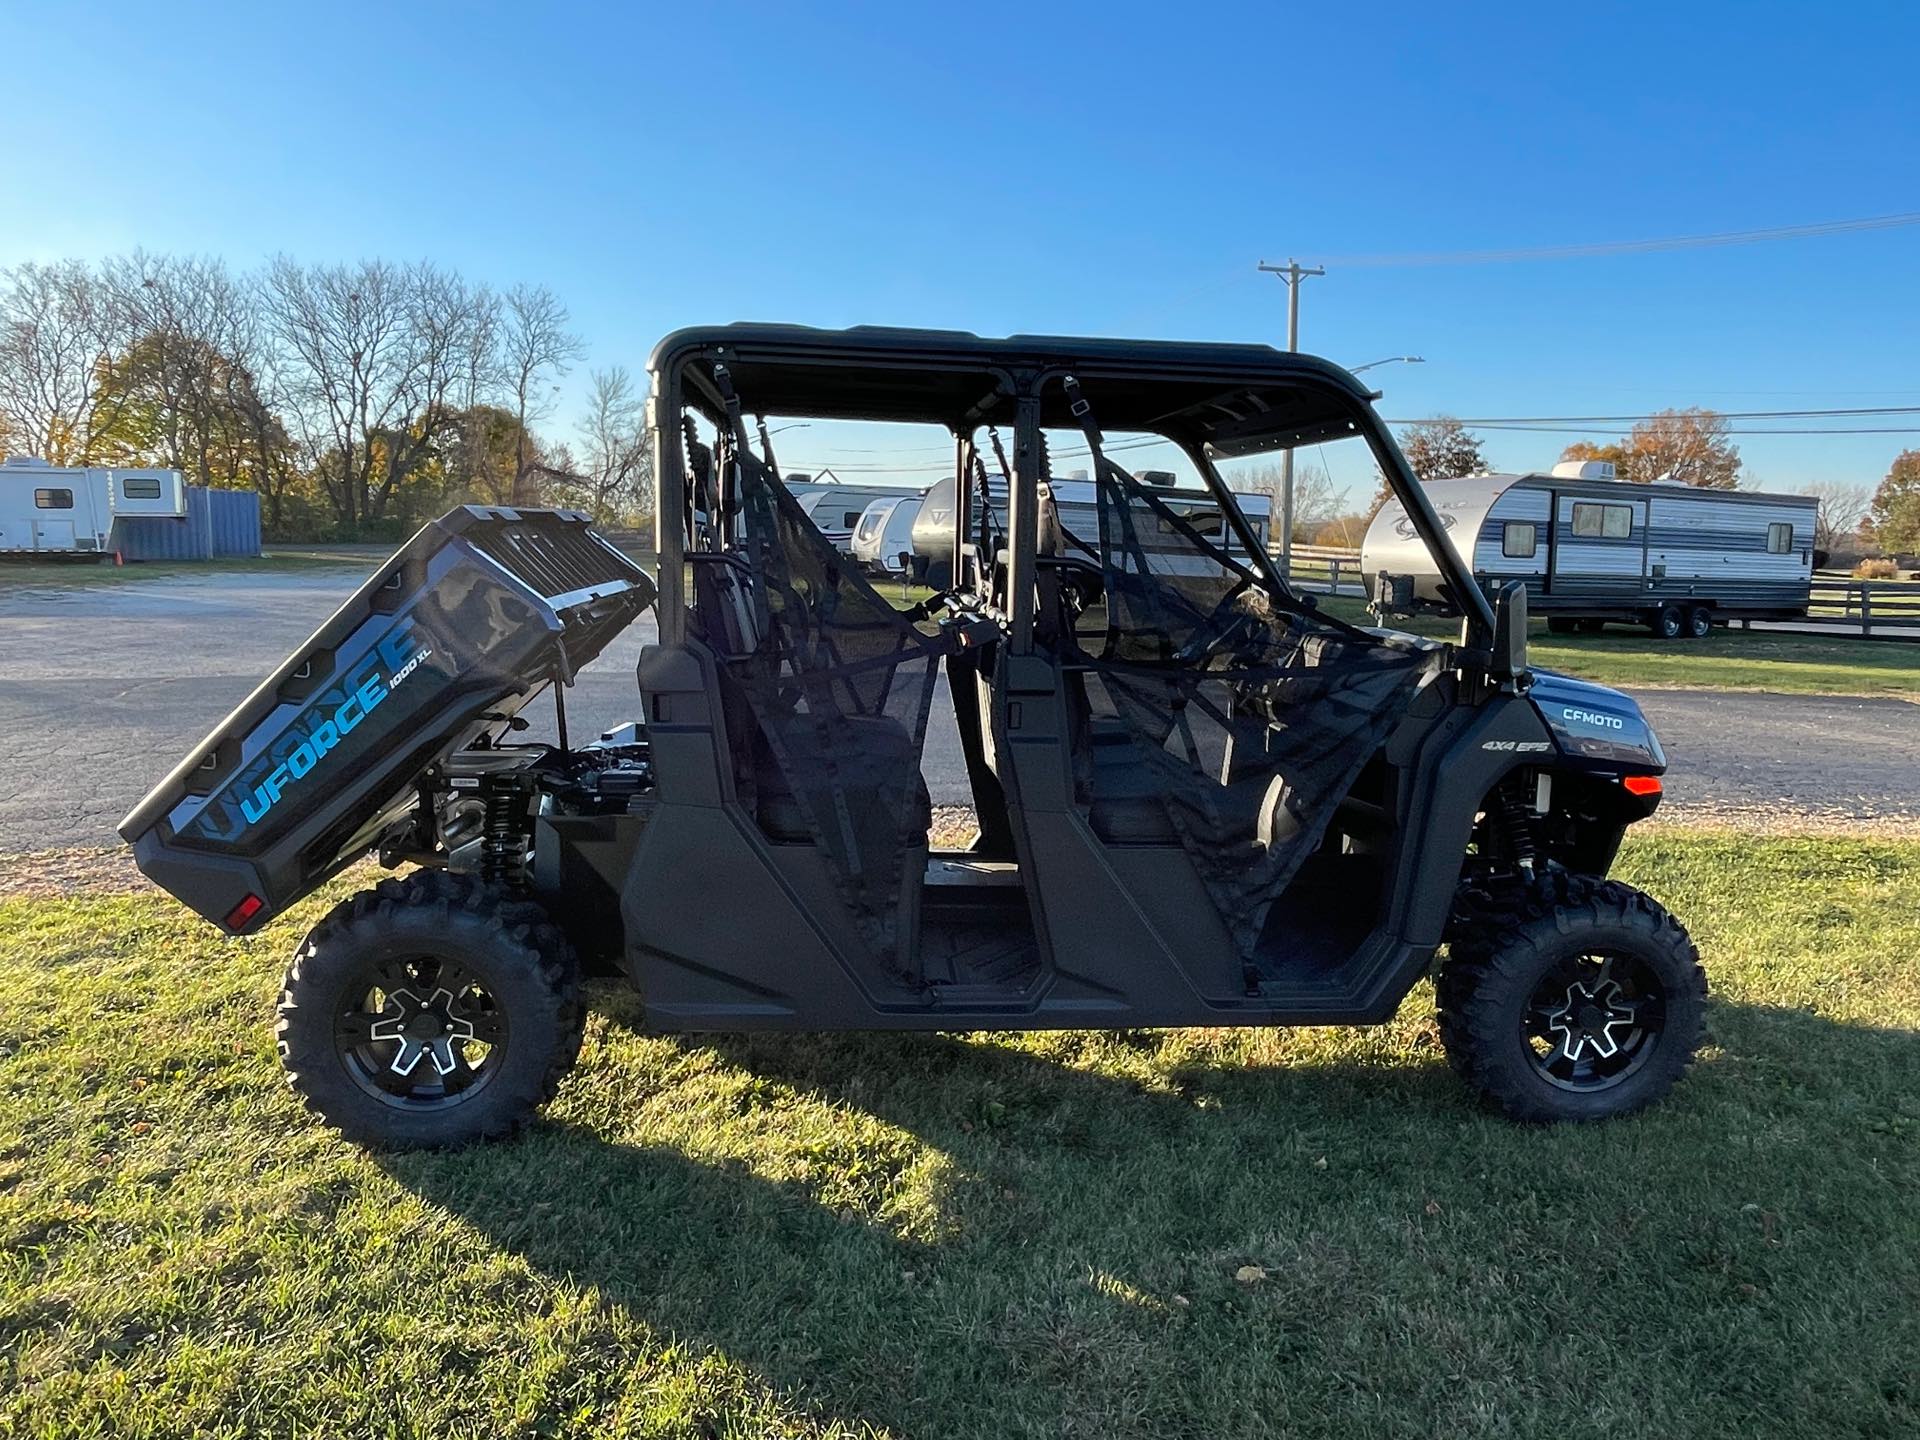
[978, 1235]
[1728, 660]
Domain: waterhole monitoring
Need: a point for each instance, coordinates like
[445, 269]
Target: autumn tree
[1441, 448]
[1896, 505]
[1438, 448]
[1675, 447]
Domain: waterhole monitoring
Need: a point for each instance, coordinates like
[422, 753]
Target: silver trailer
[1075, 503]
[885, 535]
[1591, 548]
[49, 510]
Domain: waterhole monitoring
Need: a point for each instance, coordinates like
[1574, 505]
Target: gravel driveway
[105, 686]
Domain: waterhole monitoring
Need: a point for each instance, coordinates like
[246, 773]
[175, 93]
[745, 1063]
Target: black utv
[1199, 797]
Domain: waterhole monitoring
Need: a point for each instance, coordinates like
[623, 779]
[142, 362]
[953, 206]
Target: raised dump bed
[470, 620]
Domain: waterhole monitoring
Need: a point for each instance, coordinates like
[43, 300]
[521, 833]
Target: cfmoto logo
[1593, 718]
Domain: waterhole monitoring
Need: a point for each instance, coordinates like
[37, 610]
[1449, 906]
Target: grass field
[978, 1235]
[41, 574]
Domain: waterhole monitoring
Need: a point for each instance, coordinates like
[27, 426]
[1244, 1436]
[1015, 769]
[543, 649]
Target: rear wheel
[1667, 622]
[1699, 622]
[1570, 999]
[430, 1011]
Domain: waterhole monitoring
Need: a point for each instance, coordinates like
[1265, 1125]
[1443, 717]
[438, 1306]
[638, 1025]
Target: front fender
[1458, 763]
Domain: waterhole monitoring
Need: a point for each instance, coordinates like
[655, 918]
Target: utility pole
[1293, 273]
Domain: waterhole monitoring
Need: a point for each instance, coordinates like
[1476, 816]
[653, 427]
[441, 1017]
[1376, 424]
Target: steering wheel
[1223, 630]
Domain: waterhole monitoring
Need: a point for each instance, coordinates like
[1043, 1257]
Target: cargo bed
[470, 620]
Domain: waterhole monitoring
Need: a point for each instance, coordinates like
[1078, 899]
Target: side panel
[1717, 549]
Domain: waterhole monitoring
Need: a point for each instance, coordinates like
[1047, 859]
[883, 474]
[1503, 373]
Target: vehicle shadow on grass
[1055, 1240]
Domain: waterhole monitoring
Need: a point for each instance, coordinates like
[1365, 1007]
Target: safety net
[839, 684]
[1221, 711]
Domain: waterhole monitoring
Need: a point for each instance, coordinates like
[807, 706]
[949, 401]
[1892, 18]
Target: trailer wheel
[429, 1012]
[1592, 627]
[1699, 622]
[1667, 622]
[1572, 998]
[1562, 625]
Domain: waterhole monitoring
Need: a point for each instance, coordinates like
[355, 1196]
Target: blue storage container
[218, 523]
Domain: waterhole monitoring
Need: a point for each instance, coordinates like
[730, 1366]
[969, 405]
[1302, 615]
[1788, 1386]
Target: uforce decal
[1523, 747]
[335, 713]
[1593, 718]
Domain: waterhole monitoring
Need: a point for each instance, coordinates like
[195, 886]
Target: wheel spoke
[406, 1059]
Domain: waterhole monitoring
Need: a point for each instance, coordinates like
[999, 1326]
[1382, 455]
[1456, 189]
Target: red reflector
[238, 917]
[1640, 784]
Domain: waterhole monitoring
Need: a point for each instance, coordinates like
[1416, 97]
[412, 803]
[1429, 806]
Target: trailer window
[1602, 522]
[140, 489]
[1779, 537]
[53, 499]
[1519, 540]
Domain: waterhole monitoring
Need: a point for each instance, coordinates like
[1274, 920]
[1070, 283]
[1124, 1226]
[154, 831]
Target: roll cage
[1211, 401]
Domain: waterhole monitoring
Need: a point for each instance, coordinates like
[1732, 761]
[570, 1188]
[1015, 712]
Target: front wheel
[430, 1011]
[1667, 622]
[1572, 998]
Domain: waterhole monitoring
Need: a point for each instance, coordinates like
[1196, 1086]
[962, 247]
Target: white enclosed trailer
[50, 510]
[1590, 549]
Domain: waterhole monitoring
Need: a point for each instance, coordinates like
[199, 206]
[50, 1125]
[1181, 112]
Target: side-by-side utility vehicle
[1198, 798]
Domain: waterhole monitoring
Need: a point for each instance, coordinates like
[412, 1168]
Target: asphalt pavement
[104, 687]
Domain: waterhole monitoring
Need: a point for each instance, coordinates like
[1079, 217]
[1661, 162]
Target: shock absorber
[1517, 822]
[503, 834]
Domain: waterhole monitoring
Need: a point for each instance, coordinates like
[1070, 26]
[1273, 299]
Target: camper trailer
[837, 509]
[1075, 503]
[49, 510]
[1591, 548]
[885, 534]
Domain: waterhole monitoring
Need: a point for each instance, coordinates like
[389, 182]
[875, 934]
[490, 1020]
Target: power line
[1594, 249]
[1833, 414]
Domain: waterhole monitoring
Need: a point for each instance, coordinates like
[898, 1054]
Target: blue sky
[1108, 169]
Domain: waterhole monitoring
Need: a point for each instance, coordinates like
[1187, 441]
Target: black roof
[1237, 397]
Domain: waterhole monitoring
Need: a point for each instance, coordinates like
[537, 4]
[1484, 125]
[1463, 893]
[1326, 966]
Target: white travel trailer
[47, 510]
[885, 534]
[836, 509]
[1591, 548]
[1075, 502]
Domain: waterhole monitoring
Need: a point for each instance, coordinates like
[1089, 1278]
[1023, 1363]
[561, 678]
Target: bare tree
[349, 362]
[1842, 508]
[1316, 498]
[174, 394]
[56, 332]
[535, 345]
[613, 475]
